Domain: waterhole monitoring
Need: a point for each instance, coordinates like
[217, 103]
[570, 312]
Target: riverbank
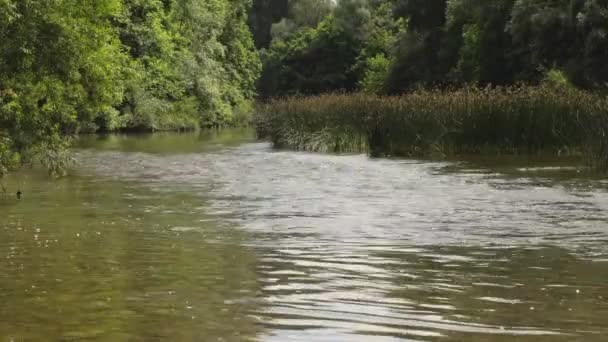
[439, 123]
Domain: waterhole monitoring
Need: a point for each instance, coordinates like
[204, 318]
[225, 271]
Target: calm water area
[215, 236]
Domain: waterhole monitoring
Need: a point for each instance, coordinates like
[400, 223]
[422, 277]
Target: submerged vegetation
[510, 120]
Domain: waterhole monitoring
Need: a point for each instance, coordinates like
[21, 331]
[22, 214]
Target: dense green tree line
[69, 66]
[392, 46]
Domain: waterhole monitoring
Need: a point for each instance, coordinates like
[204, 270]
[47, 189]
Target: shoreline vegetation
[523, 120]
[73, 67]
[70, 67]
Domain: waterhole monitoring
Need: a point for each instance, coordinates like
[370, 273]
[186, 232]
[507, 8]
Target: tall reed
[514, 120]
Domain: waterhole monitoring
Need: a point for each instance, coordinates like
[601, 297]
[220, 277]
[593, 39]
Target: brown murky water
[219, 238]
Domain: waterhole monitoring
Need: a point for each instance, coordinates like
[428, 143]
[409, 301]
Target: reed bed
[516, 120]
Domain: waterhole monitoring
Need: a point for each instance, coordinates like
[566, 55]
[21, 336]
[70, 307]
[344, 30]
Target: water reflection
[168, 143]
[208, 239]
[95, 260]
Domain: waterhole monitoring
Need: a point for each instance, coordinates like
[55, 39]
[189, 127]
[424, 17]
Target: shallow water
[216, 237]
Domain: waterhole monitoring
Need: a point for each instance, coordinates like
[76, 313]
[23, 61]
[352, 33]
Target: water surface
[216, 237]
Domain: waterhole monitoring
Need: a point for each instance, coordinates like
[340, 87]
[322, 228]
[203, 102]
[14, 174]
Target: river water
[217, 237]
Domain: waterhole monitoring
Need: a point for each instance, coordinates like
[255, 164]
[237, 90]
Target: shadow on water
[187, 238]
[167, 142]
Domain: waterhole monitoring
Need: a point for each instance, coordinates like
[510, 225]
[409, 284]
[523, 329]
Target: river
[217, 237]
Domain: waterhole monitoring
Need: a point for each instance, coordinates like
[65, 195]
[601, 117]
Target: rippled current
[217, 237]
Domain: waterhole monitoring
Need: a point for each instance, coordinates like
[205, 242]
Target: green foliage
[309, 13]
[437, 43]
[469, 63]
[439, 123]
[423, 15]
[301, 14]
[71, 66]
[60, 66]
[185, 50]
[375, 74]
[374, 61]
[521, 66]
[291, 64]
[262, 16]
[556, 79]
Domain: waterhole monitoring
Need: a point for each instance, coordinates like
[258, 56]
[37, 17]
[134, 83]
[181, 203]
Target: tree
[319, 59]
[377, 55]
[61, 66]
[263, 14]
[418, 57]
[68, 66]
[592, 23]
[483, 55]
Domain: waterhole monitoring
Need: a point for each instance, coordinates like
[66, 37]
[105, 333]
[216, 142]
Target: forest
[69, 67]
[436, 78]
[395, 46]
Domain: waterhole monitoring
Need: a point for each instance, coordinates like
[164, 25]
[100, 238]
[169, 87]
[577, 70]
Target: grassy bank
[522, 120]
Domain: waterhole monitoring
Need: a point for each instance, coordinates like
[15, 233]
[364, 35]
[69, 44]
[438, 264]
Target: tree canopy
[68, 66]
[394, 46]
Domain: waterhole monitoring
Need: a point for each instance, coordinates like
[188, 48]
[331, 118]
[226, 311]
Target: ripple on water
[352, 249]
